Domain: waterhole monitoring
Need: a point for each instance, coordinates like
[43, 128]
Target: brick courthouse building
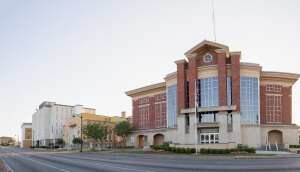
[238, 103]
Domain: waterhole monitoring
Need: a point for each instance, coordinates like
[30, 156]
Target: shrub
[178, 150]
[188, 150]
[227, 151]
[173, 149]
[247, 149]
[193, 150]
[239, 145]
[155, 147]
[291, 146]
[232, 150]
[246, 146]
[166, 144]
[252, 150]
[201, 150]
[238, 149]
[211, 151]
[159, 147]
[182, 150]
[217, 151]
[168, 148]
[242, 149]
[205, 151]
[223, 151]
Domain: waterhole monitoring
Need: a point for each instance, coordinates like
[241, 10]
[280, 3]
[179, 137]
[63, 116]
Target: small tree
[11, 140]
[123, 129]
[77, 141]
[95, 131]
[60, 142]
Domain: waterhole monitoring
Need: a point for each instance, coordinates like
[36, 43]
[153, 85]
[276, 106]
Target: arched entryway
[275, 136]
[141, 140]
[159, 139]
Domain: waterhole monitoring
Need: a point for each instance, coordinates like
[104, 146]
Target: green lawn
[180, 154]
[130, 152]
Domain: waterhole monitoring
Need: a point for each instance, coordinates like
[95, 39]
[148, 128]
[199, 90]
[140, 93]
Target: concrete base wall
[247, 134]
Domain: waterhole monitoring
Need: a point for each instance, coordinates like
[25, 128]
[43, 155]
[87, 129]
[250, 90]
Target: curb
[6, 167]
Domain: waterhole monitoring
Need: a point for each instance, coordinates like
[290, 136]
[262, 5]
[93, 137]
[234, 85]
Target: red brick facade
[181, 86]
[224, 63]
[286, 105]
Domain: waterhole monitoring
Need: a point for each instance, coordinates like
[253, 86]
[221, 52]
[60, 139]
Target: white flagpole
[196, 106]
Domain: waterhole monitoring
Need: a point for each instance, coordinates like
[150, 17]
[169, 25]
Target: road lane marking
[45, 164]
[181, 165]
[123, 168]
[7, 166]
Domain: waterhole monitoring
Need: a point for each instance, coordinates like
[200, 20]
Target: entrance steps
[273, 148]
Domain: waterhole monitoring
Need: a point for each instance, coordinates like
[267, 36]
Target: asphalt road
[35, 160]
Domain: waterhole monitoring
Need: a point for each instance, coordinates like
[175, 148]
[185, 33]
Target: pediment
[204, 45]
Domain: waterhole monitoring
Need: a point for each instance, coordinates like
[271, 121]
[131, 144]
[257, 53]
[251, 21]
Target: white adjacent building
[49, 119]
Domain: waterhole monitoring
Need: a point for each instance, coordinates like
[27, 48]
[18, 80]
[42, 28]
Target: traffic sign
[132, 139]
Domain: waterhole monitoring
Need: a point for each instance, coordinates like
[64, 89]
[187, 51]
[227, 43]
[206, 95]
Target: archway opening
[275, 136]
[159, 139]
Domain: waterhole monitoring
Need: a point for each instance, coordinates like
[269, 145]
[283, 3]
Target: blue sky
[91, 52]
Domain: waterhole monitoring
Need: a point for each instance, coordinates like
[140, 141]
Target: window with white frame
[172, 106]
[144, 117]
[28, 137]
[208, 89]
[110, 137]
[160, 115]
[273, 106]
[28, 131]
[269, 87]
[273, 88]
[78, 130]
[250, 100]
[115, 136]
[277, 88]
[143, 100]
[162, 96]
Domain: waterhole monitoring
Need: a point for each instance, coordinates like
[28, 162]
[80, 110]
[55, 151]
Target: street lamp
[80, 131]
[18, 140]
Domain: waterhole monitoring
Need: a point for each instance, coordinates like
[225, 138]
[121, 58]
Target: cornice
[181, 61]
[194, 55]
[147, 88]
[236, 53]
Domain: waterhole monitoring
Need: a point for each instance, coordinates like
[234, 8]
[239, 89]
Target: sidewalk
[2, 166]
[194, 156]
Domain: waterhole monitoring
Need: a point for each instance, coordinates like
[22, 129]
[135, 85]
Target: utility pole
[32, 139]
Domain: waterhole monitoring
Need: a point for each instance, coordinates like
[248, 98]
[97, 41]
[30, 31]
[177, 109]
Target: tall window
[229, 92]
[144, 117]
[274, 109]
[208, 92]
[250, 100]
[172, 106]
[160, 115]
[187, 95]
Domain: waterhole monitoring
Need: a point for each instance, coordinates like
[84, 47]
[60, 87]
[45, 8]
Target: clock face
[207, 58]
